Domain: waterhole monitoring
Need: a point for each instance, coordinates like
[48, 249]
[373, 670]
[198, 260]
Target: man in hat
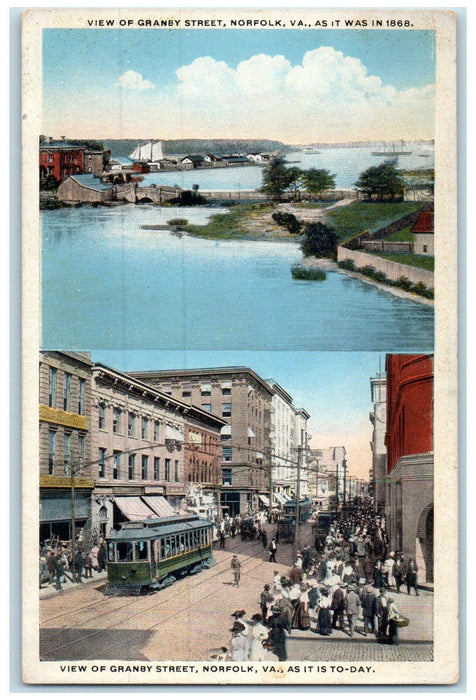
[369, 609]
[236, 569]
[382, 613]
[338, 606]
[273, 548]
[352, 607]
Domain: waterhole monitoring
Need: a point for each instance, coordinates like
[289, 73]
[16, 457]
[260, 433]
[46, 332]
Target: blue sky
[362, 79]
[334, 387]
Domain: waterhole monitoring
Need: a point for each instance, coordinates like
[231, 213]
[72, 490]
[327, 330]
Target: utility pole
[270, 485]
[73, 526]
[298, 498]
[344, 467]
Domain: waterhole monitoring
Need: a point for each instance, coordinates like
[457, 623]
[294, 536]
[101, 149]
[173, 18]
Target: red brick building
[60, 159]
[409, 442]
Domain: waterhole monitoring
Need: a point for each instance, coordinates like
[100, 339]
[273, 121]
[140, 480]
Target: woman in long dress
[301, 619]
[324, 619]
[258, 635]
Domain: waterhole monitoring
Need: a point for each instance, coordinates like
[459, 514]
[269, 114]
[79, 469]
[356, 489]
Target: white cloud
[131, 80]
[327, 96]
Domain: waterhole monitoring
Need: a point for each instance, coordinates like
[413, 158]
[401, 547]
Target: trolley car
[305, 509]
[152, 554]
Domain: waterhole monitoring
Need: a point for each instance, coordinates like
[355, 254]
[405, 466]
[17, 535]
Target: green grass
[226, 226]
[426, 262]
[308, 273]
[360, 216]
[404, 235]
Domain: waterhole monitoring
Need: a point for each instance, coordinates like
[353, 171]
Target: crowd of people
[345, 582]
[59, 564]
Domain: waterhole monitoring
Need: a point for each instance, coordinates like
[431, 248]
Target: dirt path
[262, 222]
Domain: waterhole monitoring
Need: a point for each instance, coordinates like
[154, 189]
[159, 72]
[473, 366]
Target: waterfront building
[146, 446]
[409, 441]
[240, 397]
[423, 231]
[61, 159]
[85, 188]
[66, 476]
[378, 390]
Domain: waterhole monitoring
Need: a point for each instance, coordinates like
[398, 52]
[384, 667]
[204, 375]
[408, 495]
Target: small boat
[309, 149]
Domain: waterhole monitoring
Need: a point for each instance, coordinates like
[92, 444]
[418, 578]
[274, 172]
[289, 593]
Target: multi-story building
[66, 476]
[61, 159]
[331, 462]
[243, 400]
[288, 433]
[378, 418]
[146, 446]
[409, 441]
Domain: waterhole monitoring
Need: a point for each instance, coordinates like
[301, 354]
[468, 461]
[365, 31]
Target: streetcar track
[126, 605]
[129, 639]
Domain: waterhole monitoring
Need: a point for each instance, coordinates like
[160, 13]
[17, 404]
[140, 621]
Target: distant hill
[124, 147]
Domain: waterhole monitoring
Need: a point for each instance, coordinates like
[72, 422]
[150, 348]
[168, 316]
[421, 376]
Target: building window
[81, 395]
[167, 388]
[145, 428]
[156, 468]
[176, 470]
[102, 462]
[206, 389]
[156, 431]
[82, 444]
[226, 454]
[52, 391]
[131, 425]
[145, 467]
[131, 467]
[116, 469]
[226, 392]
[102, 417]
[167, 470]
[67, 392]
[116, 420]
[207, 407]
[67, 453]
[226, 477]
[425, 249]
[226, 410]
[51, 451]
[186, 389]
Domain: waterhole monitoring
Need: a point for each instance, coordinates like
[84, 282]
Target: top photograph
[235, 187]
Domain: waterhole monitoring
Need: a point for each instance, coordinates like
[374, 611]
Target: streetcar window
[182, 544]
[187, 542]
[162, 549]
[141, 551]
[110, 552]
[124, 551]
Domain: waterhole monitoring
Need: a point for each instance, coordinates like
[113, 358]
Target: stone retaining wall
[392, 269]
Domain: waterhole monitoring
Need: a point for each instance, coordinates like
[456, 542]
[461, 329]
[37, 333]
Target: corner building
[243, 400]
[409, 441]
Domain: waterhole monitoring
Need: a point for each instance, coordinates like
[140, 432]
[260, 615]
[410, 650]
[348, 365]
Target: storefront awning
[134, 508]
[160, 506]
[264, 499]
[280, 498]
[226, 430]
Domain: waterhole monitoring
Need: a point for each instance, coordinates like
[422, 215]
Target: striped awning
[134, 508]
[159, 505]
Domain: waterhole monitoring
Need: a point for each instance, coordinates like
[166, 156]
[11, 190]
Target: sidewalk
[48, 590]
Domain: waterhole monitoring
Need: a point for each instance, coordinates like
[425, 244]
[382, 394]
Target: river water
[345, 163]
[107, 283]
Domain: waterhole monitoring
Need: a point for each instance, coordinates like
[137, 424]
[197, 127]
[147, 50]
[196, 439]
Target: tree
[319, 240]
[381, 180]
[276, 178]
[317, 180]
[296, 179]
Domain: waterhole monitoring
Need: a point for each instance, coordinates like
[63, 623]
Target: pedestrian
[102, 557]
[236, 569]
[59, 573]
[369, 609]
[389, 568]
[301, 619]
[412, 576]
[266, 600]
[273, 548]
[221, 537]
[233, 529]
[278, 634]
[393, 616]
[239, 616]
[264, 539]
[400, 572]
[378, 574]
[51, 565]
[295, 574]
[259, 632]
[324, 619]
[239, 642]
[338, 606]
[352, 608]
[78, 566]
[88, 566]
[382, 614]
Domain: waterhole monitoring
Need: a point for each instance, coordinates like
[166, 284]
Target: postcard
[239, 236]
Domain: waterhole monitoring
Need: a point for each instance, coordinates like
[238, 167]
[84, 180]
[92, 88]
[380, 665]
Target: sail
[148, 151]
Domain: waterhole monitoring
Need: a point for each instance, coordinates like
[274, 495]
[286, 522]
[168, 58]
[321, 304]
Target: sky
[334, 387]
[296, 86]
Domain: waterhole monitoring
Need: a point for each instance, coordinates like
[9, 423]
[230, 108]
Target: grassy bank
[425, 262]
[245, 221]
[360, 216]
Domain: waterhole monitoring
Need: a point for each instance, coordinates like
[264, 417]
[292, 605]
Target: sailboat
[393, 151]
[150, 151]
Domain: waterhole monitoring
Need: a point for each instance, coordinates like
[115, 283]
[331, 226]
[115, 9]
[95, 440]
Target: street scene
[189, 521]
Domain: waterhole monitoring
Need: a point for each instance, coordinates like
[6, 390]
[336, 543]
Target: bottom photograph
[235, 507]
